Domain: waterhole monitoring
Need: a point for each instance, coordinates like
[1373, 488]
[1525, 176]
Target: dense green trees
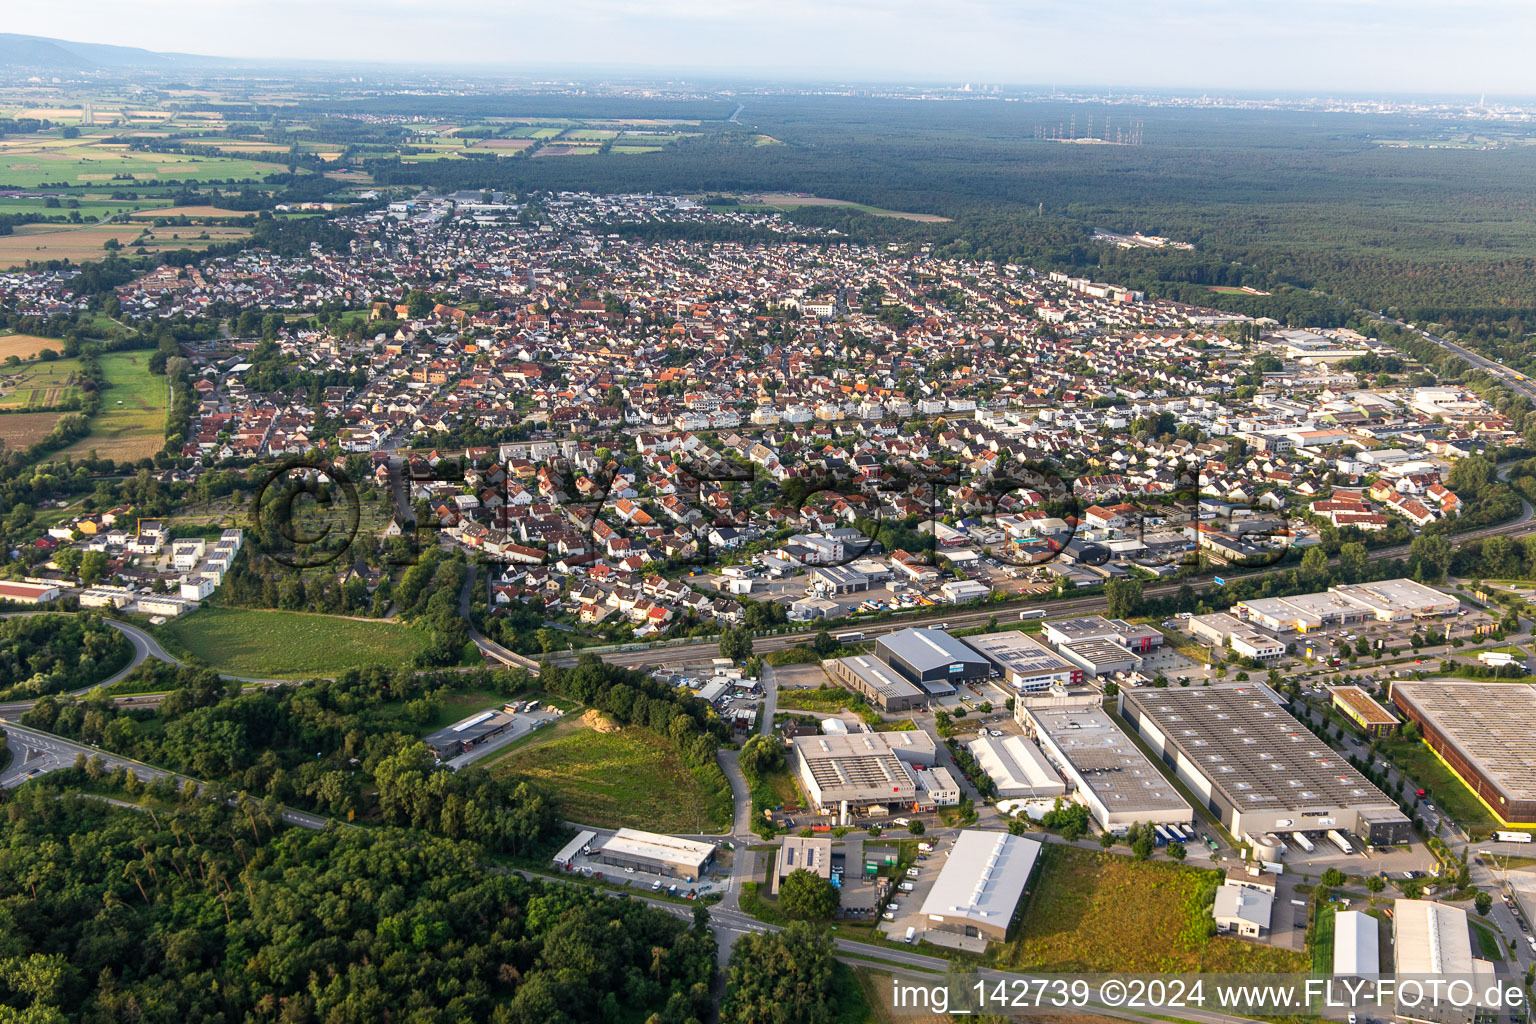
[806, 896]
[42, 654]
[207, 913]
[1123, 597]
[780, 977]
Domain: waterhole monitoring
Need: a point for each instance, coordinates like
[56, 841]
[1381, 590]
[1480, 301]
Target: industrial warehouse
[1017, 768]
[1486, 733]
[932, 659]
[1399, 600]
[979, 888]
[1110, 776]
[866, 773]
[1257, 767]
[878, 682]
[670, 856]
[462, 736]
[1102, 646]
[1027, 664]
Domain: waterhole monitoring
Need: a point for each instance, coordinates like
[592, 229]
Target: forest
[195, 910]
[50, 653]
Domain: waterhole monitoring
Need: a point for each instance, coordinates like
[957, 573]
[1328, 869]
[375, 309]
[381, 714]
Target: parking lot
[902, 911]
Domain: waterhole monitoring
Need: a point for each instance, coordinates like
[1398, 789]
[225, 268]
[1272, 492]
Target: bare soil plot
[20, 429]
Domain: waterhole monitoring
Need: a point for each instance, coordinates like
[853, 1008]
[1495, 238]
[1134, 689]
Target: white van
[911, 935]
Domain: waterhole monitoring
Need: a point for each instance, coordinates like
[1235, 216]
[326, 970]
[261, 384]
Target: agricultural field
[272, 644]
[92, 206]
[27, 161]
[623, 777]
[20, 429]
[192, 212]
[69, 242]
[1094, 911]
[39, 385]
[503, 145]
[130, 424]
[26, 346]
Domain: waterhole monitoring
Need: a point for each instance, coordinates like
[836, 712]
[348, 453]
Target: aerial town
[830, 602]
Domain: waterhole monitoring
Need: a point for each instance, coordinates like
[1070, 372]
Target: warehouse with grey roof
[1258, 768]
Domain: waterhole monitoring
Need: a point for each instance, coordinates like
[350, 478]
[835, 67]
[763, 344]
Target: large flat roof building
[1431, 940]
[979, 887]
[1256, 766]
[461, 736]
[808, 853]
[1017, 768]
[1106, 770]
[1396, 600]
[932, 659]
[1026, 663]
[1356, 945]
[861, 771]
[1362, 709]
[882, 685]
[1486, 733]
[1138, 639]
[657, 854]
[1101, 646]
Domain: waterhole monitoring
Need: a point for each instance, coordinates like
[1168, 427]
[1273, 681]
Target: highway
[1518, 383]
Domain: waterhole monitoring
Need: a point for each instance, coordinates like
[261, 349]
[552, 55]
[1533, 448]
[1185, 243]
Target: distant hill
[62, 55]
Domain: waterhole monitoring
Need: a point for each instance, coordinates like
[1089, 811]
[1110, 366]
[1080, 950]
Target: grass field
[26, 346]
[1445, 789]
[274, 644]
[1103, 912]
[193, 212]
[38, 385]
[630, 777]
[131, 422]
[1488, 945]
[20, 429]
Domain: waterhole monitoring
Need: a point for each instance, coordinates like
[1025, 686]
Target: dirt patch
[598, 722]
[20, 429]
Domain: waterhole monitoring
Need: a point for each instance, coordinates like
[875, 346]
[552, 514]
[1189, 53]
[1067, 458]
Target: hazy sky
[1373, 46]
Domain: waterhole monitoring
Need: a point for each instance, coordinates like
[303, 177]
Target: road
[685, 653]
[34, 751]
[1503, 374]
